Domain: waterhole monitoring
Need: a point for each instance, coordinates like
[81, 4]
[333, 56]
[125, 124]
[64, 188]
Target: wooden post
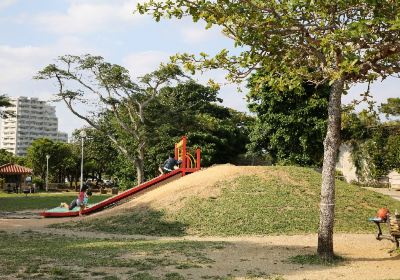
[184, 140]
[198, 158]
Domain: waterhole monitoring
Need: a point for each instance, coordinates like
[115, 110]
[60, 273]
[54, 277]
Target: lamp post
[47, 172]
[82, 134]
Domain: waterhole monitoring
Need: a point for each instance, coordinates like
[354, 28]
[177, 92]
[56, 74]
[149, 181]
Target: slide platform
[63, 212]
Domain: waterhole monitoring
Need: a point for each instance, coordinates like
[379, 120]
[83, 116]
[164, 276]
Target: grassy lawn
[19, 202]
[283, 200]
[58, 257]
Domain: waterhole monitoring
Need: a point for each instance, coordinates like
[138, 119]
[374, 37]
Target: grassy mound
[273, 200]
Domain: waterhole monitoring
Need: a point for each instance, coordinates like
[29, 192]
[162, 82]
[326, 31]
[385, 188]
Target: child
[81, 201]
[169, 164]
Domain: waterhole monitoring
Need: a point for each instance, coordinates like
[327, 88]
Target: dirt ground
[266, 257]
[262, 257]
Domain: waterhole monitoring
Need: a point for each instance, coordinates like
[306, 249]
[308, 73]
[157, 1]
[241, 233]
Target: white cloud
[142, 63]
[89, 16]
[6, 3]
[20, 64]
[197, 34]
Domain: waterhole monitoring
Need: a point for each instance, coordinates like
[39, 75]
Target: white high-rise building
[32, 119]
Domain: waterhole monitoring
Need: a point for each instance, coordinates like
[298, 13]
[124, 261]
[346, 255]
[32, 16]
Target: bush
[39, 182]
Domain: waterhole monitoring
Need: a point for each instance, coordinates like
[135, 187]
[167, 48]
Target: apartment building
[32, 119]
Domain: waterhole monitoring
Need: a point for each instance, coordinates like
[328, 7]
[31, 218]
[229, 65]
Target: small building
[14, 176]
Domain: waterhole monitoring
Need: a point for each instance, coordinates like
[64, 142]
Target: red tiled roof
[13, 169]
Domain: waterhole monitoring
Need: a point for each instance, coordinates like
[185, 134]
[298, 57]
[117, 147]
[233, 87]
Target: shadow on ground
[141, 220]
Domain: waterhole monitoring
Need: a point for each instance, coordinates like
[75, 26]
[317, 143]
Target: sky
[33, 33]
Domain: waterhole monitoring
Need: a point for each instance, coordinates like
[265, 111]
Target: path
[390, 192]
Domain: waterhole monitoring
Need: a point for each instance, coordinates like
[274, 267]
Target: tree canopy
[193, 110]
[137, 124]
[59, 160]
[291, 125]
[99, 152]
[6, 157]
[354, 40]
[105, 88]
[391, 108]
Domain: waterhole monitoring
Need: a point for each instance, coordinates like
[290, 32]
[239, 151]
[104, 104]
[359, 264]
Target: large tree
[59, 152]
[193, 110]
[290, 125]
[6, 157]
[91, 87]
[343, 42]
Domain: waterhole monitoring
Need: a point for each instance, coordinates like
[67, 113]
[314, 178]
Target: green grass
[282, 200]
[59, 257]
[273, 205]
[315, 260]
[174, 276]
[19, 202]
[140, 221]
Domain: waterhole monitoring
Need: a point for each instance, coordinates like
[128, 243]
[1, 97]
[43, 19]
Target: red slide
[189, 164]
[63, 212]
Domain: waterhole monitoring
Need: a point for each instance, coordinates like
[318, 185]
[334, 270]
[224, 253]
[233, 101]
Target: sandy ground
[262, 257]
[266, 257]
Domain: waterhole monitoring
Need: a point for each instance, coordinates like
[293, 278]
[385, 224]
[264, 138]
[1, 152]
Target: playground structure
[189, 165]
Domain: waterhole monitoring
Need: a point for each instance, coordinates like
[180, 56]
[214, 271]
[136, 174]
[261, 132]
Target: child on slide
[81, 201]
[169, 165]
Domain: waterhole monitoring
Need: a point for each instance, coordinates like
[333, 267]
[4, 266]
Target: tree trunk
[331, 146]
[139, 163]
[70, 178]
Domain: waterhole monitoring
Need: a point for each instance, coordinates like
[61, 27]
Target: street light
[82, 134]
[47, 172]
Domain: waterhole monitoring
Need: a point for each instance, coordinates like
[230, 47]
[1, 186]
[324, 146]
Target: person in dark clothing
[169, 164]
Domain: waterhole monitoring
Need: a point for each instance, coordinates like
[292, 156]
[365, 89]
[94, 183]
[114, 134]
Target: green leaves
[291, 124]
[335, 38]
[59, 153]
[391, 108]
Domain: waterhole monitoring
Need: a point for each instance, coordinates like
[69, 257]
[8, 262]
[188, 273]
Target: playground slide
[63, 212]
[189, 164]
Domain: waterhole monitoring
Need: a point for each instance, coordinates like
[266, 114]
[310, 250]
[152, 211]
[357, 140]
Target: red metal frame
[113, 199]
[181, 153]
[184, 170]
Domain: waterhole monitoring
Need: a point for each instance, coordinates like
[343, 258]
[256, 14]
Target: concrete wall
[346, 166]
[394, 179]
[345, 163]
